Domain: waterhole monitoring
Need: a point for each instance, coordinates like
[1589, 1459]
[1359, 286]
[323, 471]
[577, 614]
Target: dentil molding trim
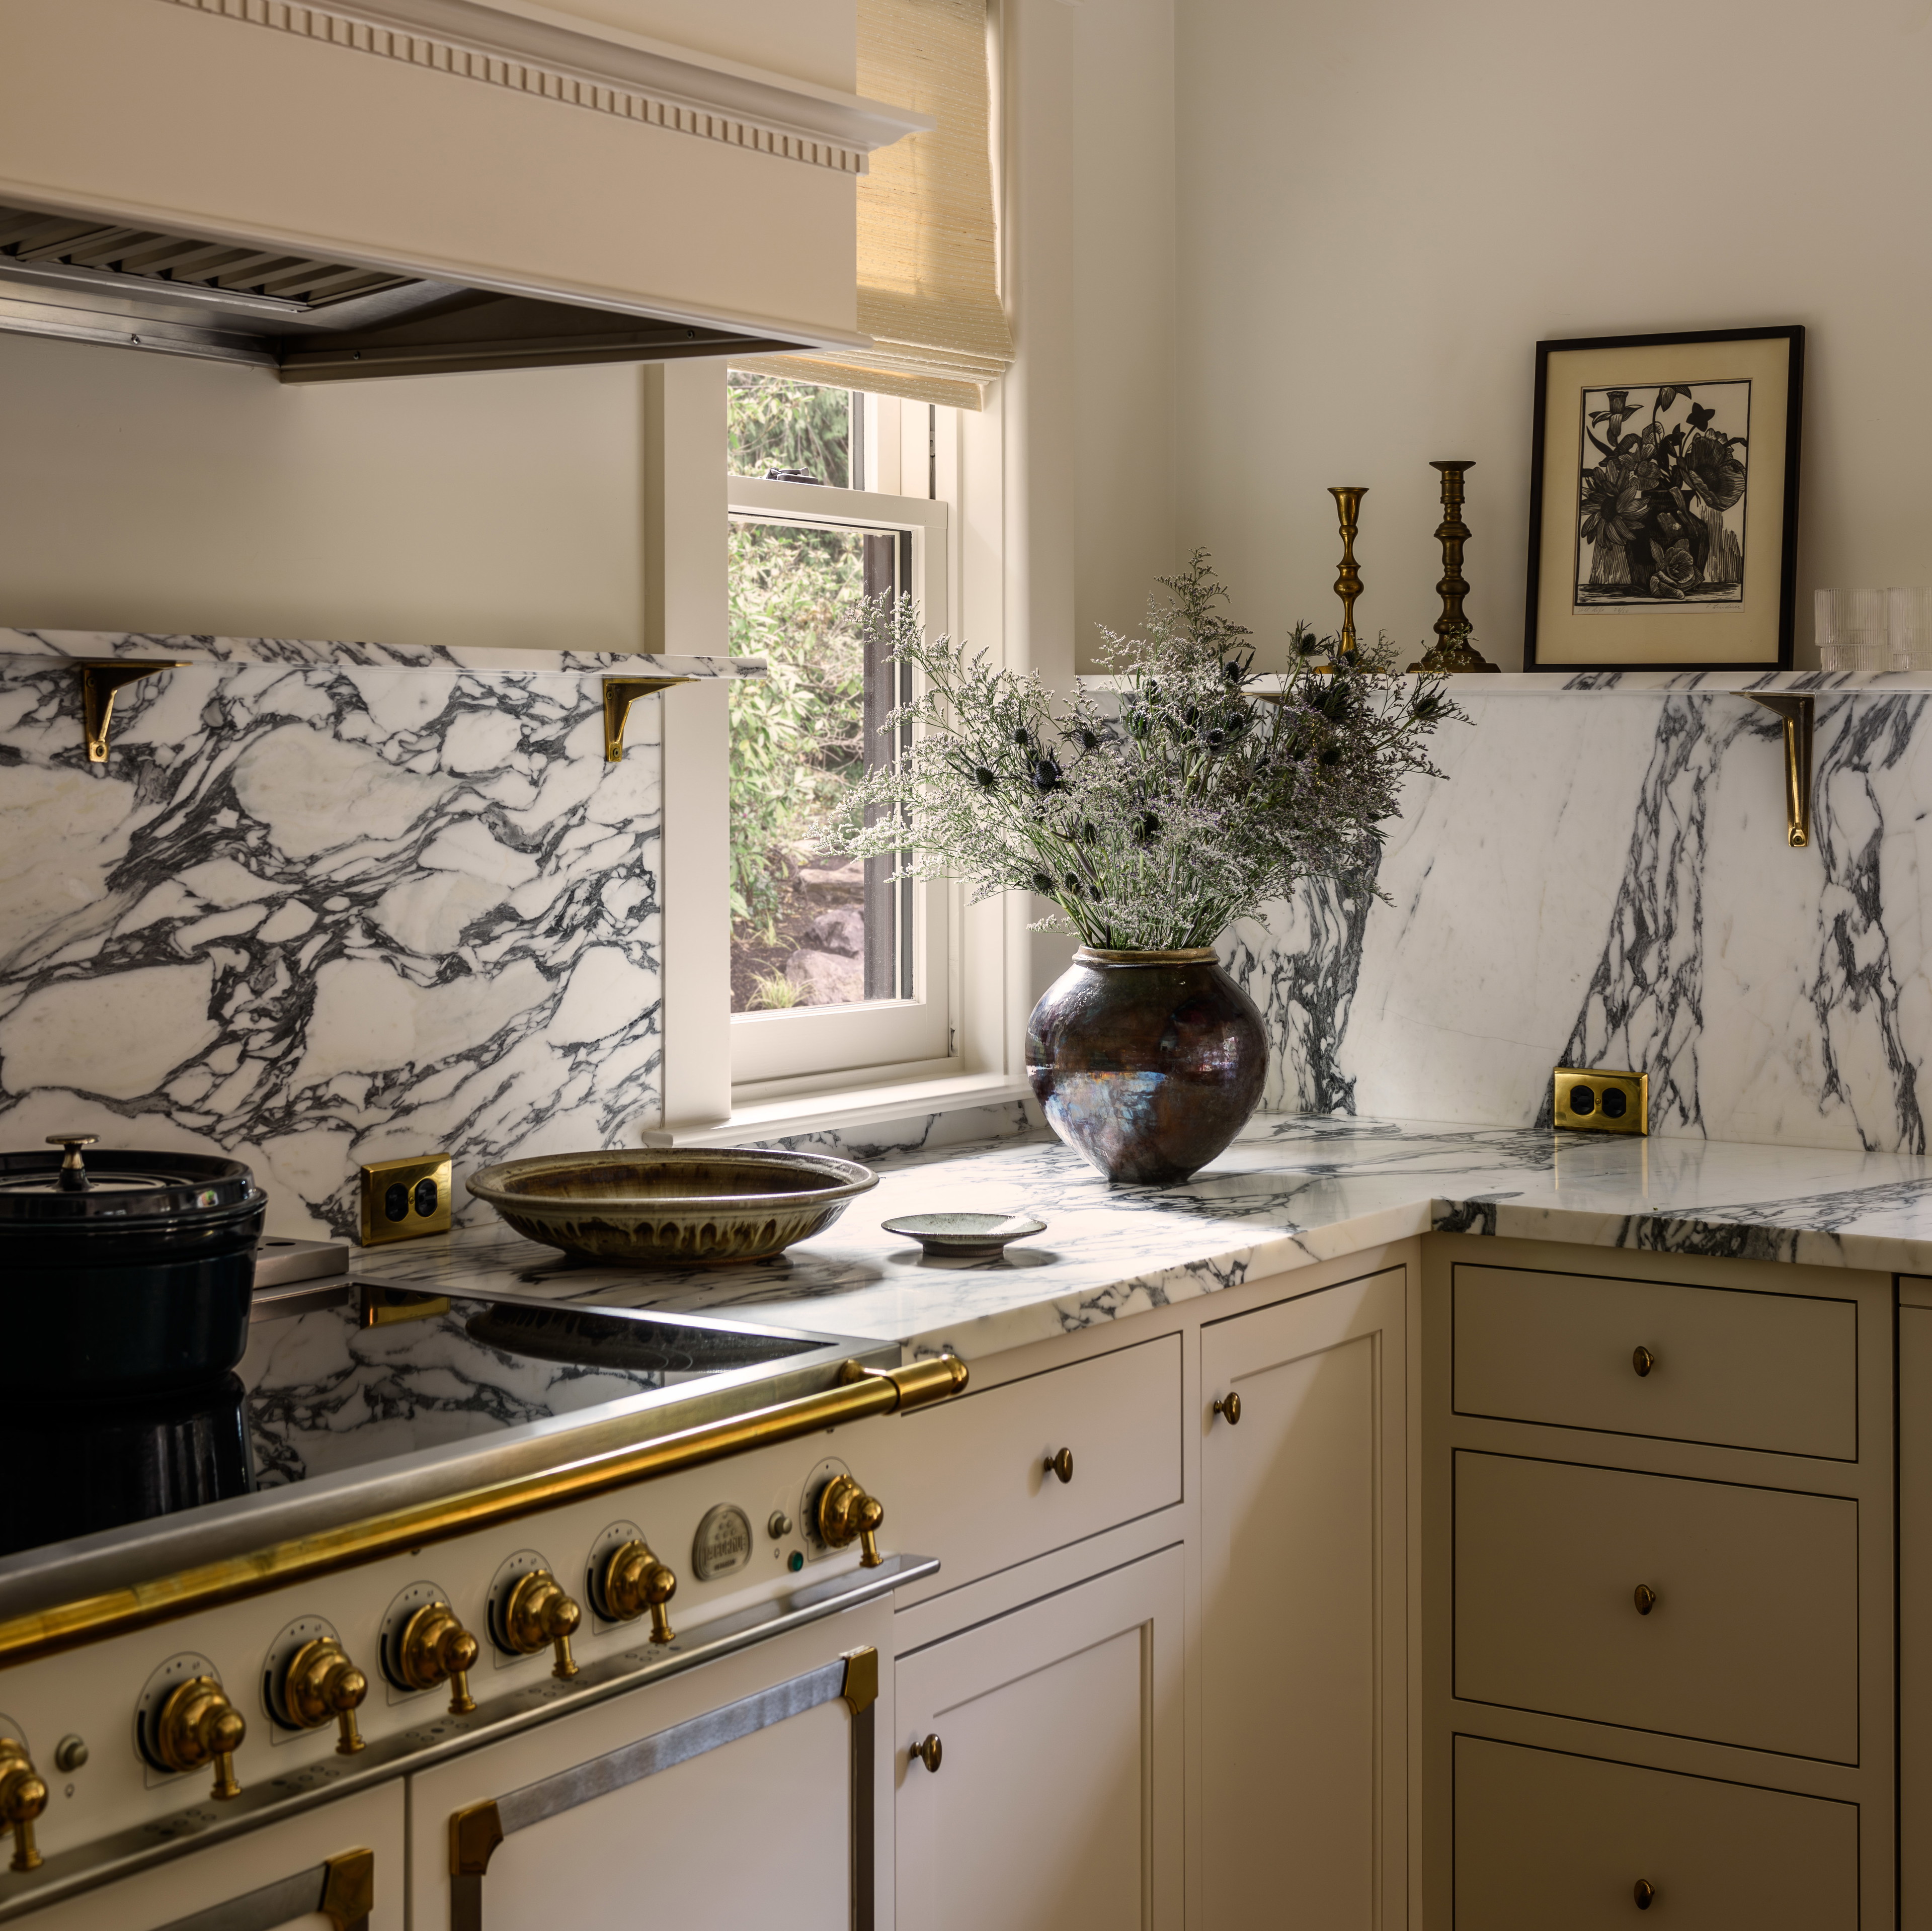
[531, 50]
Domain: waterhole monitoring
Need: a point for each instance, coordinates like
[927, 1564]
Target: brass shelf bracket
[620, 695]
[1798, 713]
[99, 679]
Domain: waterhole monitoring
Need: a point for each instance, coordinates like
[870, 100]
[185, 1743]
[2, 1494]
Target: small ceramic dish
[964, 1236]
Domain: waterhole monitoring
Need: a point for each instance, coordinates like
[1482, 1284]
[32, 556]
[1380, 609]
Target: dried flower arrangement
[1199, 801]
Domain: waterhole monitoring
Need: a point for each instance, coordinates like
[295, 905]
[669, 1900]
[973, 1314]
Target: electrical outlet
[1592, 1099]
[403, 1199]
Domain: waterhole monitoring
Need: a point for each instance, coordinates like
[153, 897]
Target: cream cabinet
[1656, 1512]
[1038, 1766]
[1302, 1650]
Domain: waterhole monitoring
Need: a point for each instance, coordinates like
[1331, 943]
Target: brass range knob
[1061, 1464]
[23, 1796]
[436, 1648]
[846, 1512]
[198, 1726]
[929, 1751]
[322, 1686]
[537, 1612]
[635, 1580]
[1229, 1408]
[1644, 1892]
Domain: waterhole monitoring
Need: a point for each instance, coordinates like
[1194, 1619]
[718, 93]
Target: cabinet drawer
[1544, 1839]
[1752, 1640]
[1745, 1370]
[969, 1478]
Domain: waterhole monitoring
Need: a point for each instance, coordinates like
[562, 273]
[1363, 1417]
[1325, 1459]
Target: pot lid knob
[72, 1170]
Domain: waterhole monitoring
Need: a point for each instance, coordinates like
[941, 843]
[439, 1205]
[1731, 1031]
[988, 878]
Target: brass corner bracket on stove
[1798, 714]
[100, 677]
[620, 695]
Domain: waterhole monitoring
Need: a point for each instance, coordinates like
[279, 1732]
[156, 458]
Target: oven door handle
[477, 1830]
[343, 1890]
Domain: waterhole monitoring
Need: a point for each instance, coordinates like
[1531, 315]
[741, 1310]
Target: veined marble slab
[1602, 878]
[1293, 1191]
[315, 911]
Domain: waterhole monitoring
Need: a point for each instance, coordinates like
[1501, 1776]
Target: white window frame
[777, 1054]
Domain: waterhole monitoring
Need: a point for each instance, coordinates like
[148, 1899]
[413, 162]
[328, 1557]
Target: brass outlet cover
[1593, 1099]
[382, 1180]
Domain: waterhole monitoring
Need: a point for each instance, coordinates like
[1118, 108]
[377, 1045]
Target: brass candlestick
[1349, 579]
[1453, 651]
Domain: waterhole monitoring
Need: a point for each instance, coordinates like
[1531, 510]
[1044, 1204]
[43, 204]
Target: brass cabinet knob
[320, 1686]
[846, 1511]
[1061, 1464]
[930, 1751]
[23, 1796]
[436, 1648]
[1643, 1361]
[634, 1581]
[537, 1612]
[198, 1726]
[1644, 1892]
[1229, 1408]
[1645, 1598]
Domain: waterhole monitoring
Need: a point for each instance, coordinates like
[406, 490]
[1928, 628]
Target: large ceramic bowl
[687, 1207]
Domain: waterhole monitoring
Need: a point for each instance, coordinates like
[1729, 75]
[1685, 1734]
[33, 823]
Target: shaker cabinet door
[1915, 1601]
[1053, 1799]
[1303, 1632]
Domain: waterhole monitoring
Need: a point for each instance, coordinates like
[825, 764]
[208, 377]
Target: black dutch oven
[124, 1272]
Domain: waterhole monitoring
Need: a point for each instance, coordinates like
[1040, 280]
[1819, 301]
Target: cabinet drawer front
[969, 1482]
[1730, 1367]
[1544, 1840]
[1753, 1637]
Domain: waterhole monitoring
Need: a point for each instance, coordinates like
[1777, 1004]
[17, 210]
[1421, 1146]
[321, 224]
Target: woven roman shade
[928, 280]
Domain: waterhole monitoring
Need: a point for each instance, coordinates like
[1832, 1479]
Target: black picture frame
[1771, 653]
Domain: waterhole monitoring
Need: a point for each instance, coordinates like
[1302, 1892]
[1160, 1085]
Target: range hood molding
[561, 191]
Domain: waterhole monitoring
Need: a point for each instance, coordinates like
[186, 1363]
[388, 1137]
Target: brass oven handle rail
[861, 1392]
[513, 1712]
[342, 1890]
[477, 1830]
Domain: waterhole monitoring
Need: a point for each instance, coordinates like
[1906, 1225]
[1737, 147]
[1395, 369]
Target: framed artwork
[1664, 502]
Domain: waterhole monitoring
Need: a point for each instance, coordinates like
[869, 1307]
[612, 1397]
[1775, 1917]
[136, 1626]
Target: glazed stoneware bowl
[686, 1206]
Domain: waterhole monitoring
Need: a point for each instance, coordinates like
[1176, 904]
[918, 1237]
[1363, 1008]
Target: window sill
[836, 1112]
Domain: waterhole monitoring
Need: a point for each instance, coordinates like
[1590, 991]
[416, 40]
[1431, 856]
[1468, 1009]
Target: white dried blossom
[1199, 802]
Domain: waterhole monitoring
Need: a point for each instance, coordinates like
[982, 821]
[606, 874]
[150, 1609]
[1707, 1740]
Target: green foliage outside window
[795, 734]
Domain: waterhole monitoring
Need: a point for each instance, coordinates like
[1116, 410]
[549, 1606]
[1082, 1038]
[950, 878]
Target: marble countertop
[1294, 1190]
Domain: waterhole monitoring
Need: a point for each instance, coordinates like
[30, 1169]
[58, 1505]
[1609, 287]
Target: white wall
[147, 492]
[1384, 205]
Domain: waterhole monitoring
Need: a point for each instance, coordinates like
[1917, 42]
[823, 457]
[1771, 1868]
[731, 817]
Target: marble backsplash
[326, 904]
[1602, 879]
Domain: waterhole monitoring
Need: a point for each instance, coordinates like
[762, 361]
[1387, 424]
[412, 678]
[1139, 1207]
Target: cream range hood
[336, 192]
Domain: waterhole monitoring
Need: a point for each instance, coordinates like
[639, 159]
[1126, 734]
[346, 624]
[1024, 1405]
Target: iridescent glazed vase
[1146, 1064]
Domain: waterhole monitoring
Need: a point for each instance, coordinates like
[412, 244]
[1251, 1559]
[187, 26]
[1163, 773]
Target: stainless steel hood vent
[305, 319]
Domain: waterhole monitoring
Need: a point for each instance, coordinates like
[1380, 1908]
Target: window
[835, 967]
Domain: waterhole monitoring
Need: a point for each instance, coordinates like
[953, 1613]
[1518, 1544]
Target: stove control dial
[197, 1726]
[535, 1612]
[434, 1648]
[846, 1514]
[319, 1686]
[634, 1580]
[23, 1796]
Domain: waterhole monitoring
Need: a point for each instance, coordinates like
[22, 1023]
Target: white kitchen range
[731, 1197]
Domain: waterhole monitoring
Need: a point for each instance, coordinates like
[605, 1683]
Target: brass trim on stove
[861, 1391]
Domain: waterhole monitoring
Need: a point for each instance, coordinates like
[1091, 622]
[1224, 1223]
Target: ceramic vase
[1146, 1064]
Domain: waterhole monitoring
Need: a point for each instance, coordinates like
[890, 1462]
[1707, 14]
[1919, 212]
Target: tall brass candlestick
[1349, 579]
[1453, 650]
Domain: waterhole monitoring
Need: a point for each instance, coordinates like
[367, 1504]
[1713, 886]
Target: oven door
[743, 1791]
